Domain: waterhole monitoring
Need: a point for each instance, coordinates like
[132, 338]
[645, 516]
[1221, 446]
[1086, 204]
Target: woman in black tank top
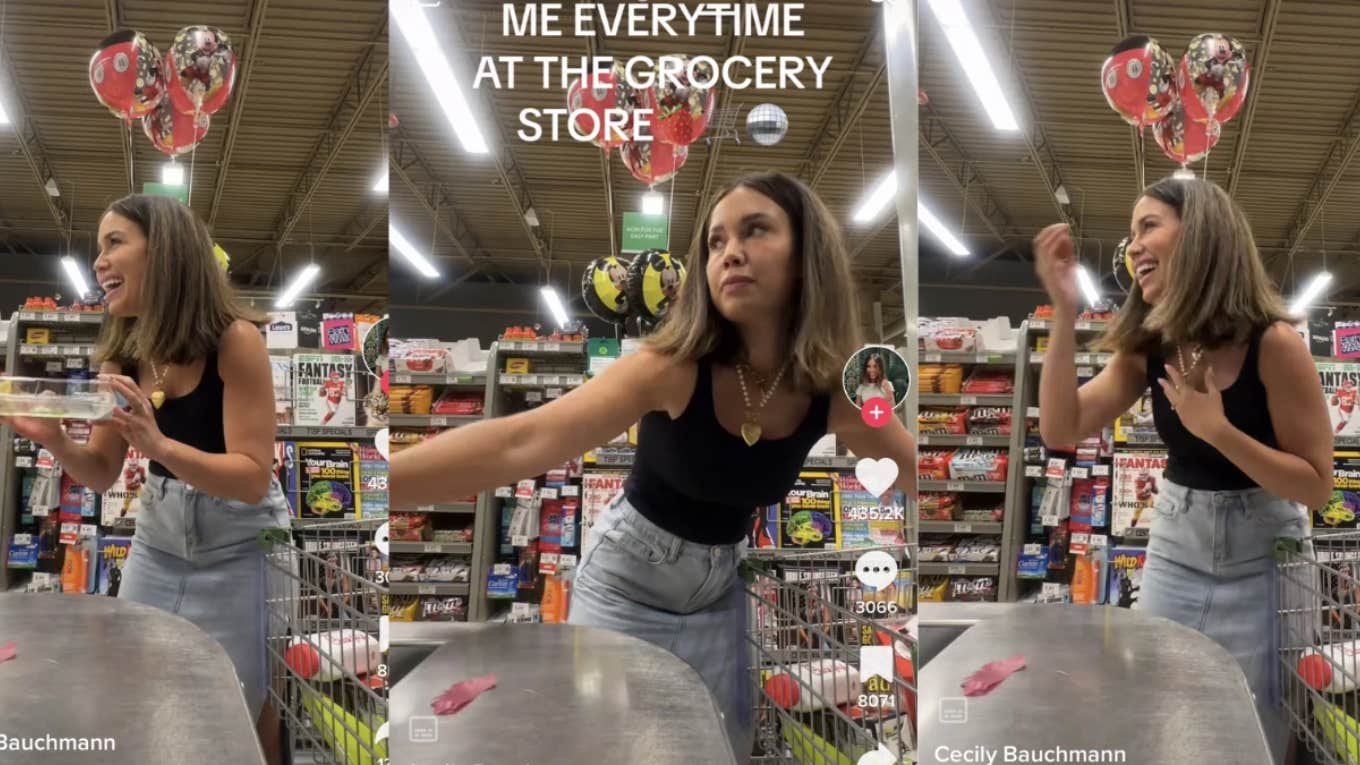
[192, 373]
[742, 377]
[1235, 397]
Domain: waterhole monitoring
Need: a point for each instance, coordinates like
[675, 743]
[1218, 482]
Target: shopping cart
[328, 677]
[1319, 628]
[820, 698]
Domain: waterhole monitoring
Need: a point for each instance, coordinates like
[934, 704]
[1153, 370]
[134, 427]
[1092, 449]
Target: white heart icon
[877, 475]
[380, 441]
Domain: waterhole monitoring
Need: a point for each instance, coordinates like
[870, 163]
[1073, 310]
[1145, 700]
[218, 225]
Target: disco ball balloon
[767, 124]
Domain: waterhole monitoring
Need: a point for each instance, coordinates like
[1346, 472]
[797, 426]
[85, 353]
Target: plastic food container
[64, 399]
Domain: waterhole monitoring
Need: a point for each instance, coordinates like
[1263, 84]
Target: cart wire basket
[833, 656]
[328, 676]
[1319, 642]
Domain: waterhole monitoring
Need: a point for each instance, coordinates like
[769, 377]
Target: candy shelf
[933, 439]
[954, 568]
[430, 420]
[960, 527]
[298, 432]
[965, 399]
[428, 588]
[987, 487]
[432, 548]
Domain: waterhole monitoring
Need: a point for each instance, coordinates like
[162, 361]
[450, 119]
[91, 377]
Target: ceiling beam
[1339, 156]
[26, 134]
[1123, 13]
[841, 116]
[1259, 58]
[124, 129]
[735, 45]
[367, 80]
[594, 49]
[975, 190]
[255, 26]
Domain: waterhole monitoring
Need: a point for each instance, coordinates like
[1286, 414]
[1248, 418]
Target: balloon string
[193, 152]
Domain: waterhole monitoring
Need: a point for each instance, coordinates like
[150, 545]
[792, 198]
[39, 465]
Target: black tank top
[696, 480]
[194, 419]
[1193, 463]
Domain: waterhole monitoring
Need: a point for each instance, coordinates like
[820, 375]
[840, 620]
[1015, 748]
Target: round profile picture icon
[876, 372]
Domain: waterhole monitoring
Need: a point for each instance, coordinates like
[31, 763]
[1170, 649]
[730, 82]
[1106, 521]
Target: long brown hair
[187, 300]
[823, 327]
[1216, 292]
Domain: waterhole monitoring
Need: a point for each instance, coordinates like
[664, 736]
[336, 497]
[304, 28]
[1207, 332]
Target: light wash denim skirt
[1211, 567]
[687, 598]
[199, 557]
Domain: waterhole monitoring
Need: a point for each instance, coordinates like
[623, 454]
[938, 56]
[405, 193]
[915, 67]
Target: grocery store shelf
[1044, 325]
[989, 487]
[438, 548]
[1081, 359]
[59, 317]
[1149, 440]
[542, 381]
[55, 350]
[967, 357]
[960, 527]
[448, 381]
[430, 420]
[455, 507]
[1349, 442]
[936, 439]
[319, 431]
[542, 347]
[966, 399]
[429, 588]
[956, 569]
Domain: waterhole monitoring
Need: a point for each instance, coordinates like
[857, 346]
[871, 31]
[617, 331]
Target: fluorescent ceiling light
[4, 117]
[172, 174]
[1312, 292]
[291, 293]
[381, 185]
[555, 306]
[1184, 174]
[429, 53]
[412, 255]
[972, 58]
[932, 224]
[531, 217]
[878, 199]
[653, 204]
[76, 278]
[1088, 286]
[1061, 194]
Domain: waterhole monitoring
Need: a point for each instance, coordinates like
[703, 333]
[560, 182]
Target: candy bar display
[936, 551]
[938, 506]
[933, 464]
[933, 589]
[410, 399]
[447, 570]
[989, 383]
[940, 378]
[978, 465]
[976, 589]
[419, 357]
[950, 339]
[939, 421]
[457, 404]
[989, 421]
[977, 550]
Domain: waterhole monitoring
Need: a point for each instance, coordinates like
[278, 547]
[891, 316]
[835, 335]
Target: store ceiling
[290, 161]
[838, 138]
[1287, 157]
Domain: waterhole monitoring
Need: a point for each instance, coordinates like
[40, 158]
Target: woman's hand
[1200, 411]
[1056, 265]
[136, 423]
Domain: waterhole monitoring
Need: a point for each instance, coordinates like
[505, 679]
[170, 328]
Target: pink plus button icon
[876, 412]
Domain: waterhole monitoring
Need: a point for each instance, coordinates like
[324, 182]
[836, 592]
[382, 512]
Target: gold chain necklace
[158, 394]
[1195, 356]
[750, 428]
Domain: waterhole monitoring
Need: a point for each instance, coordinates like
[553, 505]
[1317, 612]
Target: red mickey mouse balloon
[125, 72]
[174, 133]
[200, 70]
[1139, 80]
[1213, 78]
[598, 95]
[653, 161]
[1184, 140]
[681, 109]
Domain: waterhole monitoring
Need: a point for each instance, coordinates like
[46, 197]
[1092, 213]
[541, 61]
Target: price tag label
[974, 440]
[519, 540]
[402, 379]
[520, 610]
[23, 462]
[548, 492]
[45, 460]
[1082, 358]
[933, 358]
[509, 379]
[501, 569]
[1033, 549]
[1057, 469]
[23, 539]
[983, 358]
[505, 492]
[54, 367]
[28, 316]
[425, 509]
[1051, 520]
[75, 363]
[1084, 325]
[571, 491]
[71, 318]
[525, 489]
[1052, 590]
[550, 379]
[427, 589]
[552, 347]
[1081, 539]
[1100, 540]
[432, 547]
[1086, 372]
[1099, 470]
[53, 350]
[89, 530]
[575, 381]
[953, 486]
[958, 569]
[439, 422]
[968, 400]
[41, 512]
[28, 350]
[1080, 472]
[963, 528]
[1034, 471]
[534, 396]
[1032, 411]
[924, 441]
[548, 561]
[565, 561]
[553, 393]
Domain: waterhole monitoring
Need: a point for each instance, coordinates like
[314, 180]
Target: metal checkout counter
[1096, 679]
[564, 695]
[90, 667]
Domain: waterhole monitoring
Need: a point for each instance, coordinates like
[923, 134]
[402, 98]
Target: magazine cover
[1137, 476]
[323, 389]
[863, 521]
[1339, 381]
[1136, 424]
[372, 482]
[122, 500]
[113, 553]
[328, 476]
[810, 594]
[1126, 575]
[1343, 510]
[597, 490]
[1339, 583]
[282, 368]
[764, 531]
[282, 330]
[811, 515]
